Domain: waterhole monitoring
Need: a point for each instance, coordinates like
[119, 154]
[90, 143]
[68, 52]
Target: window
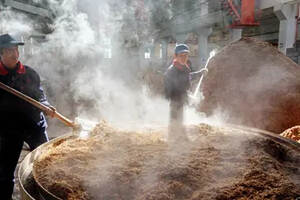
[107, 49]
[148, 53]
[160, 51]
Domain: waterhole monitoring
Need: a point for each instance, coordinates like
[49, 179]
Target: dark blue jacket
[16, 115]
[177, 81]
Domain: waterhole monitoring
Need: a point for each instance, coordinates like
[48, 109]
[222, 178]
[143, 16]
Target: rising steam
[79, 80]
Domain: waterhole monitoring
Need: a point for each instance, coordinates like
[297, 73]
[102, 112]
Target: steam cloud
[77, 78]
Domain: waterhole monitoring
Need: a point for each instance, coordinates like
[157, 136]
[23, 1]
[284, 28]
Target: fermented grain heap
[254, 85]
[292, 133]
[218, 163]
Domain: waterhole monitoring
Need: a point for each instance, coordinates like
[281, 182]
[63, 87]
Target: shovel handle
[39, 105]
[65, 120]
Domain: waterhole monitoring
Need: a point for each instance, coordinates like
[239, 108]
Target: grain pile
[255, 85]
[292, 133]
[218, 163]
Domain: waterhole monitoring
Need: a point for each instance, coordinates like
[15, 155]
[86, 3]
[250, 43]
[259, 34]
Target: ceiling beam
[28, 8]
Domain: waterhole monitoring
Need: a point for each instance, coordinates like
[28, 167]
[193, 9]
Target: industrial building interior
[103, 65]
[203, 24]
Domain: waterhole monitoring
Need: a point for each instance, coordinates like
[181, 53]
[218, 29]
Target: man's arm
[168, 84]
[199, 73]
[43, 97]
[40, 94]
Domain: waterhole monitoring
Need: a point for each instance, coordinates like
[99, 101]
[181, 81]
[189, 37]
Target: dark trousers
[176, 111]
[10, 149]
[176, 130]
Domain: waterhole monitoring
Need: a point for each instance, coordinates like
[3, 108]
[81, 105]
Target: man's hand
[199, 73]
[52, 112]
[204, 71]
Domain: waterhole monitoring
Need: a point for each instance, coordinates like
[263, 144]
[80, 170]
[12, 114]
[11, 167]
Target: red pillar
[248, 12]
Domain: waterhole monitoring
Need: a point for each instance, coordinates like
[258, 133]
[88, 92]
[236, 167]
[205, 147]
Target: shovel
[194, 96]
[76, 127]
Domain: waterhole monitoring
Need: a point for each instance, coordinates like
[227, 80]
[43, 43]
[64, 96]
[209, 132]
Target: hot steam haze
[78, 79]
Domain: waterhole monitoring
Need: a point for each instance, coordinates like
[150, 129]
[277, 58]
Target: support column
[286, 13]
[203, 52]
[152, 50]
[142, 55]
[164, 48]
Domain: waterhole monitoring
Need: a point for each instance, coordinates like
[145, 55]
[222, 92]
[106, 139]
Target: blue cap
[181, 48]
[8, 41]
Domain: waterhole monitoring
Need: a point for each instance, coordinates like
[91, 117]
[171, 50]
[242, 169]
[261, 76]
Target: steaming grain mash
[219, 163]
[292, 133]
[255, 85]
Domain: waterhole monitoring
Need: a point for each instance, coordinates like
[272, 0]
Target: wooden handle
[39, 105]
[65, 120]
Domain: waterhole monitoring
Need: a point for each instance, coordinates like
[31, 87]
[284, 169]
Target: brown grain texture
[218, 163]
[253, 84]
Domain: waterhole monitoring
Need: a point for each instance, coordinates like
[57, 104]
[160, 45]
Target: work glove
[199, 73]
[204, 71]
[52, 112]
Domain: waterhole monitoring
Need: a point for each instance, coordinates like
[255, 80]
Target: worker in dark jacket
[177, 83]
[20, 121]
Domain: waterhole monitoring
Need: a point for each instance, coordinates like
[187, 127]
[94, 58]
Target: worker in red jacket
[177, 83]
[19, 120]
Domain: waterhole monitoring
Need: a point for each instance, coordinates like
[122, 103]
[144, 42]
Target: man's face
[182, 58]
[10, 56]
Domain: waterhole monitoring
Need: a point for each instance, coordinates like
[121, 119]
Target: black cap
[181, 48]
[8, 41]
